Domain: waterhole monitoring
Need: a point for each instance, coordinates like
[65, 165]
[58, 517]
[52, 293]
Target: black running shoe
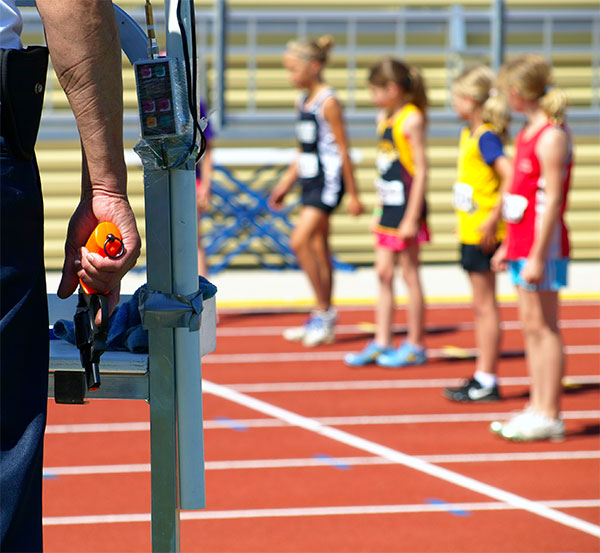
[472, 390]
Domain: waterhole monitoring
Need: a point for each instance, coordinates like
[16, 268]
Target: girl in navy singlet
[324, 171]
[536, 247]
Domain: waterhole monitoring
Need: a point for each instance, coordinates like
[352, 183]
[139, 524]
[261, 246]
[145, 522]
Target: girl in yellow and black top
[483, 171]
[399, 224]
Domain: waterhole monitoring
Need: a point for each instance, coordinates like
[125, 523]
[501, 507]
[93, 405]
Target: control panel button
[164, 104]
[148, 106]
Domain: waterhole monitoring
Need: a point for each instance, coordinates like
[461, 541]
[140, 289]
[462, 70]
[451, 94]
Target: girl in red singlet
[536, 248]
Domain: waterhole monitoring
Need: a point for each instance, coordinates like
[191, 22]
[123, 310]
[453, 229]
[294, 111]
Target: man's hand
[102, 274]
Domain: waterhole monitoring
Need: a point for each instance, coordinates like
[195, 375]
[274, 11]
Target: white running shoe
[297, 333]
[531, 426]
[516, 419]
[321, 328]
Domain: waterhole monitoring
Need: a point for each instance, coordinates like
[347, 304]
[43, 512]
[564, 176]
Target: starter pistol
[91, 338]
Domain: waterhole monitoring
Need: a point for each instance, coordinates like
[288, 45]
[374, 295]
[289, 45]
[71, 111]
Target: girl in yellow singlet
[400, 220]
[483, 171]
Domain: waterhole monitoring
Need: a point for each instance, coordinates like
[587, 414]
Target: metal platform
[124, 375]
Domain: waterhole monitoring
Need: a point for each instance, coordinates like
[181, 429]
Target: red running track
[387, 473]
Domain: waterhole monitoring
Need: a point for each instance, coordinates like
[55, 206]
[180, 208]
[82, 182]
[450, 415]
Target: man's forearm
[84, 44]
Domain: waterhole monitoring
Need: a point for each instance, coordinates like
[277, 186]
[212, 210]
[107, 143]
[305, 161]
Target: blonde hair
[407, 77]
[312, 50]
[477, 83]
[531, 75]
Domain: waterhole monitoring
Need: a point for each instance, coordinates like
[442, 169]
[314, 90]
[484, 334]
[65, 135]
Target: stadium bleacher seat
[59, 160]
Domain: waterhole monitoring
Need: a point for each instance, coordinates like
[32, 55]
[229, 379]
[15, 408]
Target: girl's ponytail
[416, 92]
[309, 50]
[496, 111]
[554, 104]
[531, 75]
[407, 77]
[477, 83]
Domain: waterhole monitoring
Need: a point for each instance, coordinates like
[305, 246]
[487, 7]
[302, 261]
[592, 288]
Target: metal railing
[454, 36]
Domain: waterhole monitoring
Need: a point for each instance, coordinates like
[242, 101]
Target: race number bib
[383, 162]
[390, 192]
[306, 132]
[463, 197]
[513, 207]
[308, 165]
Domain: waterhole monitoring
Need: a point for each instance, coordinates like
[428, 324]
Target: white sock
[487, 380]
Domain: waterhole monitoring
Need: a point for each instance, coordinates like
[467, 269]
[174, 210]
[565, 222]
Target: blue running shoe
[368, 355]
[406, 354]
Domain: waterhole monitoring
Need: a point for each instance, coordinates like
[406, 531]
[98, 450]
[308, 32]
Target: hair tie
[548, 88]
[493, 93]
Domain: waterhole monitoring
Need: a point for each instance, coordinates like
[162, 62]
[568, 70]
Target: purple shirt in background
[208, 130]
[208, 134]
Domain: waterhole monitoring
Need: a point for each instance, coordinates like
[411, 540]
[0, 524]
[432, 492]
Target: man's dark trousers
[23, 353]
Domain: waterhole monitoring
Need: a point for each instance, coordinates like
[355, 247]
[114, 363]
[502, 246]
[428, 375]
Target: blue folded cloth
[125, 331]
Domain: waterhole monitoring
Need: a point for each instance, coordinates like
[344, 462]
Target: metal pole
[161, 361]
[497, 34]
[596, 62]
[219, 41]
[184, 238]
[351, 32]
[252, 63]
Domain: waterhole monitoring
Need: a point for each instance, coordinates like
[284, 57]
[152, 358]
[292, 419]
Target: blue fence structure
[243, 222]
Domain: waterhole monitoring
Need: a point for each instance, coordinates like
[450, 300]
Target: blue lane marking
[448, 507]
[233, 424]
[335, 463]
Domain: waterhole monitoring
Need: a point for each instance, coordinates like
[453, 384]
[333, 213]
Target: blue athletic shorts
[555, 275]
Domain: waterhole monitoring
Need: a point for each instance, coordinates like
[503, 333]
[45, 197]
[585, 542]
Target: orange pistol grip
[106, 241]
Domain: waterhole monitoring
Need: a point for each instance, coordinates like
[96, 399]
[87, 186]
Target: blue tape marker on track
[448, 506]
[50, 476]
[233, 424]
[335, 463]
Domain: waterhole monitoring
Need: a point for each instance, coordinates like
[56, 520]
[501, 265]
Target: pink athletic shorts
[389, 239]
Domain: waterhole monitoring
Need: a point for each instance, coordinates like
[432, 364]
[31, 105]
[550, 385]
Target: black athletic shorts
[312, 196]
[474, 260]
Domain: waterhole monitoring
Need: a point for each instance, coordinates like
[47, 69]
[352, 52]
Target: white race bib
[391, 192]
[513, 207]
[306, 132]
[383, 162]
[308, 165]
[463, 197]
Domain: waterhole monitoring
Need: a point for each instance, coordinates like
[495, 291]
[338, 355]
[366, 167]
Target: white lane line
[324, 511]
[363, 328]
[307, 356]
[96, 469]
[334, 421]
[366, 420]
[341, 385]
[402, 458]
[309, 462]
[91, 428]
